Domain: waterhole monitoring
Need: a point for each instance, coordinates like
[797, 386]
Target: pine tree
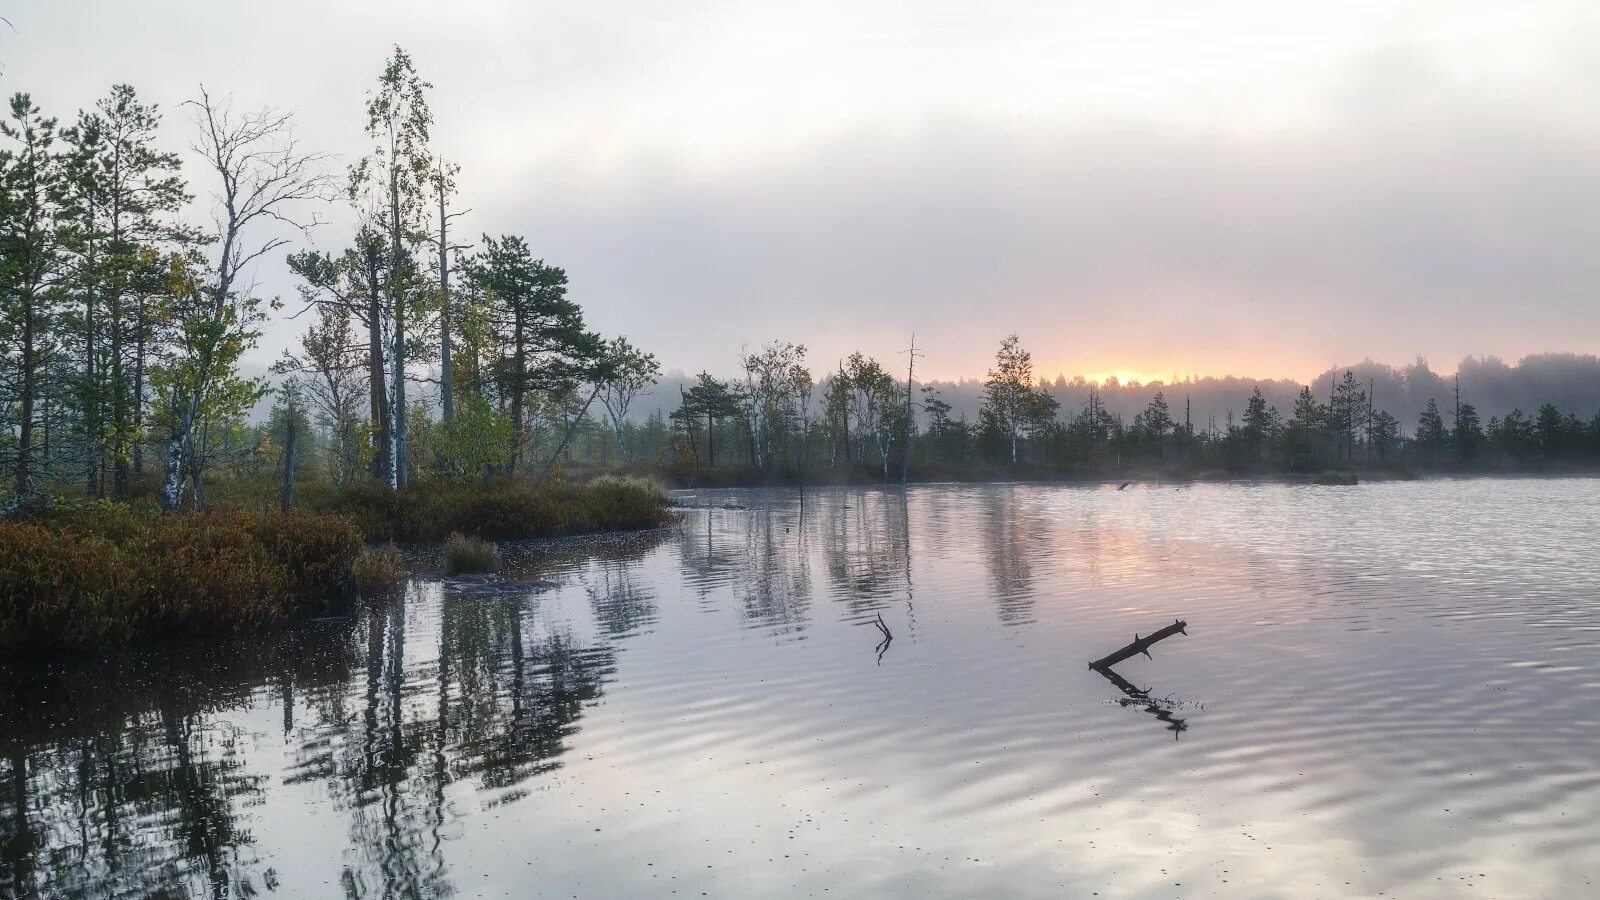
[1551, 429]
[393, 180]
[1345, 413]
[1431, 433]
[1307, 429]
[545, 345]
[1467, 434]
[1384, 435]
[1260, 424]
[141, 195]
[1157, 420]
[29, 267]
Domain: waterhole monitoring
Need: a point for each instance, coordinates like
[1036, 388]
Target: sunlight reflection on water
[1386, 688]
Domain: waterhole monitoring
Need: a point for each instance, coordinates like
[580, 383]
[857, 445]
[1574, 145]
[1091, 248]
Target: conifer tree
[29, 267]
[1431, 431]
[393, 179]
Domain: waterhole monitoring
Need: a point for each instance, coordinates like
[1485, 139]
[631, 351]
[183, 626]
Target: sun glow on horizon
[1122, 376]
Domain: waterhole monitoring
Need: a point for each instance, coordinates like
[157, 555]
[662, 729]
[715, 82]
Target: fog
[1248, 187]
[1494, 387]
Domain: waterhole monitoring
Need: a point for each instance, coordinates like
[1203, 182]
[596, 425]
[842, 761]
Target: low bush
[105, 574]
[1336, 478]
[379, 569]
[505, 510]
[464, 555]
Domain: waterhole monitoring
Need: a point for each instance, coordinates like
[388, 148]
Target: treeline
[1571, 381]
[859, 422]
[123, 324]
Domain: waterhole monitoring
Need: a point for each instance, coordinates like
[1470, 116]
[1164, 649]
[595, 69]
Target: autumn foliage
[106, 574]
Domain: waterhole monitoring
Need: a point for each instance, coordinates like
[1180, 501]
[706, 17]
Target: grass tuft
[379, 569]
[468, 556]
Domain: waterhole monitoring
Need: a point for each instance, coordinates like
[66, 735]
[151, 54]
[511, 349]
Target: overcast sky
[1137, 188]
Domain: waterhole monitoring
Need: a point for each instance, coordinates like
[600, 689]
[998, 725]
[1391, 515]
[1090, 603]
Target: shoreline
[1363, 476]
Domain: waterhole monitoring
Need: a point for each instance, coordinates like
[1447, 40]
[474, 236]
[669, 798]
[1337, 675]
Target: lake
[1385, 689]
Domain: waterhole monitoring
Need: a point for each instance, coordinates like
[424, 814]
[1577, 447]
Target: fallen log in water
[1140, 645]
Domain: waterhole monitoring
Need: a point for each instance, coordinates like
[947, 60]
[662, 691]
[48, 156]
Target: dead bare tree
[443, 181]
[264, 179]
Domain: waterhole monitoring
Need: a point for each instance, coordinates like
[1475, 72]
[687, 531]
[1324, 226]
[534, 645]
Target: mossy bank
[106, 574]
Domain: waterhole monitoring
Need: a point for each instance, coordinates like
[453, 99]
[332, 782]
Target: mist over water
[1387, 688]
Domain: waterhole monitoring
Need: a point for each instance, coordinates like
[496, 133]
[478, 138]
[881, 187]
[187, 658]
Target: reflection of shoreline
[126, 774]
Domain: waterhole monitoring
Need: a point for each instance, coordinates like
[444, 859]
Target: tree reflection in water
[121, 778]
[1013, 539]
[133, 776]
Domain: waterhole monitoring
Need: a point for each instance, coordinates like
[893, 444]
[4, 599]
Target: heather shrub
[464, 555]
[104, 574]
[317, 550]
[508, 509]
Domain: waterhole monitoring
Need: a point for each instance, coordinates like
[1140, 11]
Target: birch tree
[1005, 397]
[330, 368]
[633, 374]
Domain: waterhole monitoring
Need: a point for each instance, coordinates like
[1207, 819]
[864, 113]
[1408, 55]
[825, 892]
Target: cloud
[1419, 215]
[1130, 188]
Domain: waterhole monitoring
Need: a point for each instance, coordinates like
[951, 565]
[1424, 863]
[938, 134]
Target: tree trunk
[119, 405]
[377, 356]
[397, 419]
[519, 383]
[91, 391]
[397, 414]
[905, 440]
[571, 427]
[177, 444]
[29, 363]
[140, 337]
[447, 408]
[290, 445]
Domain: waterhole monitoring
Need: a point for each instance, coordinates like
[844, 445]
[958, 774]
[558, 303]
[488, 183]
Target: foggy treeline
[1569, 380]
[779, 421]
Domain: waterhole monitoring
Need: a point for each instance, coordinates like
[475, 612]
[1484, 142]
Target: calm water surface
[1387, 689]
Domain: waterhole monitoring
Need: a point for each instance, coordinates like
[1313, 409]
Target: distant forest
[858, 419]
[1571, 381]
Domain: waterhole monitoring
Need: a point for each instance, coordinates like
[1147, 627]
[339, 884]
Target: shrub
[317, 550]
[1336, 478]
[508, 509]
[464, 555]
[647, 487]
[104, 574]
[379, 569]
